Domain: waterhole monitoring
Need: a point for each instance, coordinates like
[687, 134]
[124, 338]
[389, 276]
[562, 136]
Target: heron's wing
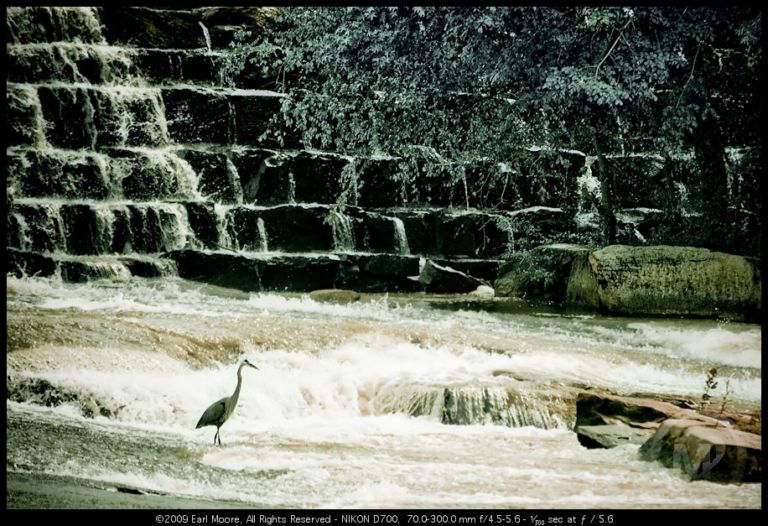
[213, 414]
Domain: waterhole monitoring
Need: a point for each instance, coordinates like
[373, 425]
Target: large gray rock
[297, 228]
[668, 281]
[707, 452]
[149, 267]
[157, 27]
[264, 176]
[198, 115]
[611, 435]
[605, 421]
[203, 221]
[222, 269]
[604, 409]
[436, 278]
[175, 66]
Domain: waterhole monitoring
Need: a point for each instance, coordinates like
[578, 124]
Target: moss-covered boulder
[667, 281]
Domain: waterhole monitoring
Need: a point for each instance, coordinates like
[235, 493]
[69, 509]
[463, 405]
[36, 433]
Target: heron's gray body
[219, 411]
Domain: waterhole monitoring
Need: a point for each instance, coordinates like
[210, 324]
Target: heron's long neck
[236, 394]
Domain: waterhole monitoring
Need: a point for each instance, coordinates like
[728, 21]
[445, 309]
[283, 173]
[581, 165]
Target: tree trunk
[713, 185]
[607, 205]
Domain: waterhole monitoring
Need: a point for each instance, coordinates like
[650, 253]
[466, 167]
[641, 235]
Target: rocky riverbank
[702, 441]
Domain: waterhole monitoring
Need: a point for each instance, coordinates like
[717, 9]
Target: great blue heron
[219, 411]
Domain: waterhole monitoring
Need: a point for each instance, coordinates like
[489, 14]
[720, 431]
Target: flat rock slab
[612, 435]
[708, 452]
[606, 409]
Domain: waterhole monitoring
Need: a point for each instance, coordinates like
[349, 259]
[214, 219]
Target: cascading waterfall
[206, 37]
[343, 235]
[241, 229]
[82, 63]
[262, 234]
[137, 115]
[174, 225]
[68, 23]
[157, 172]
[291, 187]
[120, 239]
[104, 229]
[226, 235]
[401, 239]
[233, 179]
[27, 96]
[18, 232]
[40, 226]
[468, 405]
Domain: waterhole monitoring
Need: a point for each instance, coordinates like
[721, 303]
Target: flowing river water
[403, 401]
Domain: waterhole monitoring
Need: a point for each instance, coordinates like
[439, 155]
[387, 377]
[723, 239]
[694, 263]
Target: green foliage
[442, 86]
[457, 79]
[539, 274]
[710, 385]
[350, 180]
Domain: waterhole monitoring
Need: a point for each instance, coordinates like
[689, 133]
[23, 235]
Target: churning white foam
[727, 344]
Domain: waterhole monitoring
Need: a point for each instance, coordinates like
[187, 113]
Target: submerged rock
[42, 392]
[708, 452]
[611, 435]
[339, 296]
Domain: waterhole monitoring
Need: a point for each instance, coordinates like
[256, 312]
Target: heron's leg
[215, 436]
[219, 435]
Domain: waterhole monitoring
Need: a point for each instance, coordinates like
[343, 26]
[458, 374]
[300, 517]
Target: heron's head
[249, 364]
